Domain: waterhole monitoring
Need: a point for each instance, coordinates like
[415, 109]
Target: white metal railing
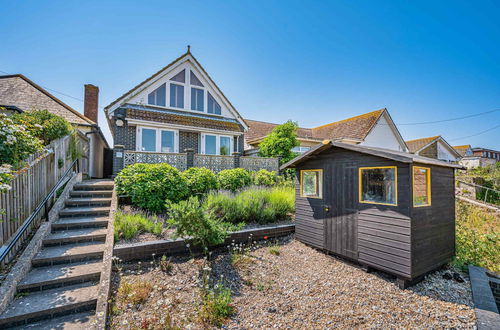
[177, 160]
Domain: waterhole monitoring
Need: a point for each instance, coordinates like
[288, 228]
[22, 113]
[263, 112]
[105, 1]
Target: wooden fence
[29, 187]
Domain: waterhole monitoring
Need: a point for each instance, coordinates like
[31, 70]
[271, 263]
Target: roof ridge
[351, 118]
[44, 91]
[424, 138]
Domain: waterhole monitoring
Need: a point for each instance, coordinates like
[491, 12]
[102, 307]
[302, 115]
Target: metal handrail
[6, 249]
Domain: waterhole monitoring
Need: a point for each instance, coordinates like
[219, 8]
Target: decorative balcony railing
[177, 160]
[251, 163]
[214, 162]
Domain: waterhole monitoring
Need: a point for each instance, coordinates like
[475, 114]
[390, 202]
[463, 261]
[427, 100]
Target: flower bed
[281, 284]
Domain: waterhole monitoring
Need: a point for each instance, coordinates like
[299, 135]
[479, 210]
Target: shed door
[341, 227]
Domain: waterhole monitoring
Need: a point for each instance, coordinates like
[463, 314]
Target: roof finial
[189, 48]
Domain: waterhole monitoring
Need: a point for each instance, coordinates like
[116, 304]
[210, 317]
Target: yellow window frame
[360, 186]
[427, 182]
[320, 183]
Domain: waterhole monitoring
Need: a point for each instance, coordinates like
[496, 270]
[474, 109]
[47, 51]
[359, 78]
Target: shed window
[378, 185]
[421, 186]
[311, 183]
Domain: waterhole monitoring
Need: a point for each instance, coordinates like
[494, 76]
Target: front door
[341, 226]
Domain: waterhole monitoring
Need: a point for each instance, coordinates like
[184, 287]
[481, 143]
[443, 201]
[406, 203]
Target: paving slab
[76, 235]
[88, 201]
[77, 321]
[47, 303]
[77, 222]
[68, 253]
[79, 211]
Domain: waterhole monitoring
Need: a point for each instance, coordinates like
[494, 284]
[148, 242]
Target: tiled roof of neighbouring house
[417, 144]
[18, 91]
[462, 149]
[351, 128]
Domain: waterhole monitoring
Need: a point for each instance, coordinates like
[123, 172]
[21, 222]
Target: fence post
[236, 157]
[118, 158]
[190, 157]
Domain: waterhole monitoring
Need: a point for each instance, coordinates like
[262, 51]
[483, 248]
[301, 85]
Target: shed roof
[398, 156]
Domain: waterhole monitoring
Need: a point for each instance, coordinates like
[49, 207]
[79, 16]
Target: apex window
[378, 185]
[157, 97]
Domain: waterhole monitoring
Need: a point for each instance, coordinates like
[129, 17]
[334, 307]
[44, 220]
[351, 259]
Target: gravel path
[302, 288]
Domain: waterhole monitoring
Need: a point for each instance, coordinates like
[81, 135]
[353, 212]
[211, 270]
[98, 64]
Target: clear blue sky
[310, 61]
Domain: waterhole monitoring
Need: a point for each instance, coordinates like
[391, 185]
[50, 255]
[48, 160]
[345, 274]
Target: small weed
[166, 264]
[260, 287]
[275, 250]
[134, 293]
[216, 306]
[159, 321]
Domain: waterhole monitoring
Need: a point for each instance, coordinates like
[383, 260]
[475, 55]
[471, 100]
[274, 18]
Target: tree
[280, 142]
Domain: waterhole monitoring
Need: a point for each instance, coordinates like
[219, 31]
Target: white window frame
[158, 138]
[217, 143]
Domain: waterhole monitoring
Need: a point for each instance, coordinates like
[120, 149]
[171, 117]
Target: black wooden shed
[388, 210]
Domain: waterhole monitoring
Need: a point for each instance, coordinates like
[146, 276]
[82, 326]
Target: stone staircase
[61, 290]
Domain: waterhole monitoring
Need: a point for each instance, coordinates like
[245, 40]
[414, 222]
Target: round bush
[150, 185]
[234, 179]
[264, 178]
[200, 180]
[44, 125]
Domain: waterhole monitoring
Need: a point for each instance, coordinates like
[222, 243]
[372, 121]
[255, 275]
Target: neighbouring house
[464, 151]
[18, 93]
[176, 110]
[480, 157]
[374, 129]
[433, 147]
[385, 209]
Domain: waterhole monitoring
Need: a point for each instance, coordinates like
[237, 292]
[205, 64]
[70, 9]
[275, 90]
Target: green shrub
[252, 205]
[200, 180]
[44, 125]
[127, 225]
[150, 185]
[477, 237]
[16, 142]
[265, 178]
[234, 179]
[191, 220]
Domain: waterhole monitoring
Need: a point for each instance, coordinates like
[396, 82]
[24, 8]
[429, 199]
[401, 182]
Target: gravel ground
[300, 288]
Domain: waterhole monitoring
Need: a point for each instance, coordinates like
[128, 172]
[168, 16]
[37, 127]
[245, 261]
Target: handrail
[477, 185]
[5, 250]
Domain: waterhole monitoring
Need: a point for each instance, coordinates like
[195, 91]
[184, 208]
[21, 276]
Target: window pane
[213, 106]
[225, 145]
[195, 81]
[180, 77]
[167, 141]
[311, 183]
[157, 97]
[176, 96]
[210, 144]
[148, 139]
[378, 185]
[196, 99]
[421, 179]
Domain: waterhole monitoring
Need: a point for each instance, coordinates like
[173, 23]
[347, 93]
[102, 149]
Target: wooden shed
[388, 210]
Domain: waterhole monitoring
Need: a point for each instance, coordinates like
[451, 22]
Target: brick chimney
[91, 101]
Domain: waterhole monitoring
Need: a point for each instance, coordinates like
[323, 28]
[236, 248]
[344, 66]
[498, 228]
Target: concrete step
[44, 278]
[84, 211]
[76, 236]
[91, 193]
[83, 222]
[54, 255]
[87, 201]
[77, 321]
[51, 303]
[94, 185]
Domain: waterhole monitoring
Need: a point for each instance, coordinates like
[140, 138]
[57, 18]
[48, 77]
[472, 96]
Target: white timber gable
[385, 134]
[445, 152]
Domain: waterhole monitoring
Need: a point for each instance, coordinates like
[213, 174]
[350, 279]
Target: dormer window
[213, 106]
[157, 97]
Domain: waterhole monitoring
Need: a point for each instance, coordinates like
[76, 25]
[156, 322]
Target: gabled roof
[356, 128]
[18, 91]
[141, 86]
[259, 129]
[398, 156]
[462, 149]
[418, 145]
